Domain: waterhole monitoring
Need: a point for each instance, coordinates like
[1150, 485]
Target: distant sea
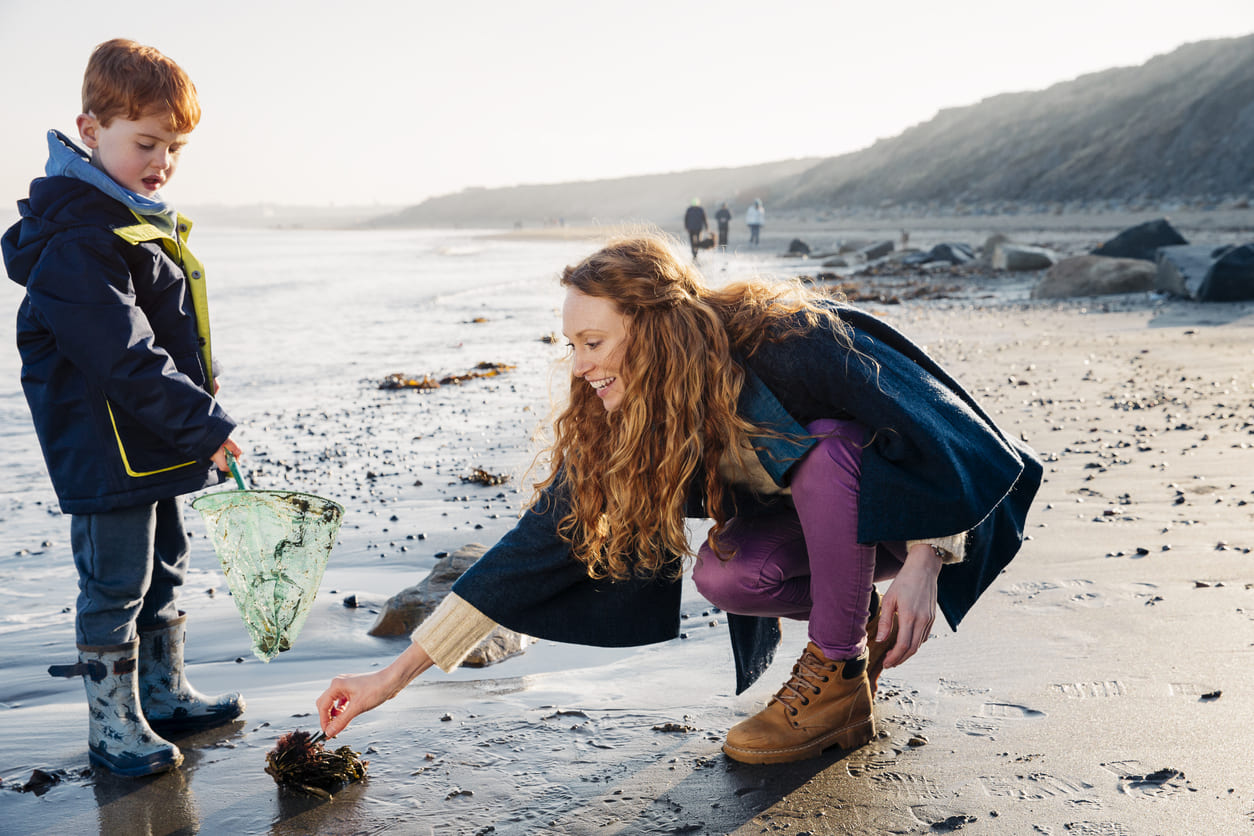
[295, 310]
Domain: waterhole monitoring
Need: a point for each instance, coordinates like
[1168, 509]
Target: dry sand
[1101, 686]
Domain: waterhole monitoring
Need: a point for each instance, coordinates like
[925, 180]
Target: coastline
[1078, 696]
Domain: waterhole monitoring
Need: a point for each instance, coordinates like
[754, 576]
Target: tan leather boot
[877, 650]
[823, 704]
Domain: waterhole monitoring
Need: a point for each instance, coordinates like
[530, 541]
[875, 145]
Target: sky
[387, 102]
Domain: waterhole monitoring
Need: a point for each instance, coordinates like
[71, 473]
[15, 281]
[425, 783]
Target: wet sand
[1101, 686]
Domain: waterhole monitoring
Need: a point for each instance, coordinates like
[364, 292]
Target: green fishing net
[273, 546]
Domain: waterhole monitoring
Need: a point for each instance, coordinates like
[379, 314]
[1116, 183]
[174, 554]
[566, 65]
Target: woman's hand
[911, 598]
[352, 694]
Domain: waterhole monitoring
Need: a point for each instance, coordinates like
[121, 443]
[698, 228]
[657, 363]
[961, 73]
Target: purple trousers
[807, 564]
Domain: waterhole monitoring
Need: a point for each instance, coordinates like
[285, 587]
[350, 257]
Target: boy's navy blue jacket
[115, 359]
[935, 465]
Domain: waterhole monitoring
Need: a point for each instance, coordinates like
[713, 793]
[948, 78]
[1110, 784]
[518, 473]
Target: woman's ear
[88, 126]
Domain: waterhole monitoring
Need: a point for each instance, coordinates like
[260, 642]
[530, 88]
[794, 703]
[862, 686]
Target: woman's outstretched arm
[352, 694]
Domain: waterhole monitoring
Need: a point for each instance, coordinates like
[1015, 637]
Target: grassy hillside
[1179, 127]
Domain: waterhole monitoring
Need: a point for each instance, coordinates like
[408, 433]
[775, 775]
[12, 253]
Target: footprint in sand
[1035, 786]
[1097, 828]
[1009, 710]
[906, 786]
[1091, 690]
[1044, 596]
[1136, 780]
[1192, 689]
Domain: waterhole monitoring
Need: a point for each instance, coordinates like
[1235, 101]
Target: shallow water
[306, 323]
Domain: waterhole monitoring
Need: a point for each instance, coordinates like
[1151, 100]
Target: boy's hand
[219, 458]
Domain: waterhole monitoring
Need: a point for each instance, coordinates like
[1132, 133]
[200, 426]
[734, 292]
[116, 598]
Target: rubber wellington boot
[823, 704]
[877, 650]
[118, 736]
[170, 703]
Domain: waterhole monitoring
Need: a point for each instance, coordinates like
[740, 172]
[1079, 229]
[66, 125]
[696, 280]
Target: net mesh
[273, 546]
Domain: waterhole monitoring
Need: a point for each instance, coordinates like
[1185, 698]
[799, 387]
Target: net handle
[239, 477]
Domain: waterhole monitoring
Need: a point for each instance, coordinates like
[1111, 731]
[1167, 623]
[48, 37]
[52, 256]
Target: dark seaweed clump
[299, 764]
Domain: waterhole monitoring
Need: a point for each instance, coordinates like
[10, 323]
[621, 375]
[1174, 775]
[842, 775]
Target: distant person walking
[696, 223]
[723, 216]
[755, 216]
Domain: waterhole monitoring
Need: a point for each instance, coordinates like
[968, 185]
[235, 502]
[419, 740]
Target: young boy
[117, 370]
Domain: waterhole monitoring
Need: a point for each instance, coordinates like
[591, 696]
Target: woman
[830, 452]
[755, 216]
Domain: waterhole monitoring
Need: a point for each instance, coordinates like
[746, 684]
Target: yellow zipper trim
[193, 272]
[126, 463]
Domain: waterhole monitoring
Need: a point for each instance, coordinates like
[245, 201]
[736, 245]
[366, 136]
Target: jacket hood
[68, 160]
[56, 204]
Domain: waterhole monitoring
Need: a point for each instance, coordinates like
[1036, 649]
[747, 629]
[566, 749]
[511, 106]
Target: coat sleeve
[530, 582]
[84, 295]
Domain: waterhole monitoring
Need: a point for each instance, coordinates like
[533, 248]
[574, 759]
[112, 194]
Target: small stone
[917, 740]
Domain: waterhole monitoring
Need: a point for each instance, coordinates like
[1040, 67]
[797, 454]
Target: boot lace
[807, 679]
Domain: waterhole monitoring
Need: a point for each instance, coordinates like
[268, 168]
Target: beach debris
[952, 823]
[43, 780]
[551, 338]
[887, 294]
[399, 380]
[482, 477]
[301, 763]
[797, 247]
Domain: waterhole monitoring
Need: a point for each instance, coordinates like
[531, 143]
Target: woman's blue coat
[936, 465]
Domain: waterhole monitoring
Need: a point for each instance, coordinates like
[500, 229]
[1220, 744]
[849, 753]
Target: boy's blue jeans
[131, 563]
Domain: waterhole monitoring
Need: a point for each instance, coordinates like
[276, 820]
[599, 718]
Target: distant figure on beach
[696, 223]
[723, 217]
[755, 216]
[116, 366]
[830, 451]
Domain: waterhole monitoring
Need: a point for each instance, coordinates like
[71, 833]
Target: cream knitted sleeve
[453, 630]
[951, 549]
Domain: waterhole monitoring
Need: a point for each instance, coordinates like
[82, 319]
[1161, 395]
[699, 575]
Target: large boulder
[1094, 275]
[408, 608]
[991, 243]
[879, 249]
[1007, 256]
[950, 252]
[1182, 268]
[1207, 274]
[1142, 241]
[1231, 277]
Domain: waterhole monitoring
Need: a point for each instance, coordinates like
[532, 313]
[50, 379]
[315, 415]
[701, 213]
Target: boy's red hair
[129, 80]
